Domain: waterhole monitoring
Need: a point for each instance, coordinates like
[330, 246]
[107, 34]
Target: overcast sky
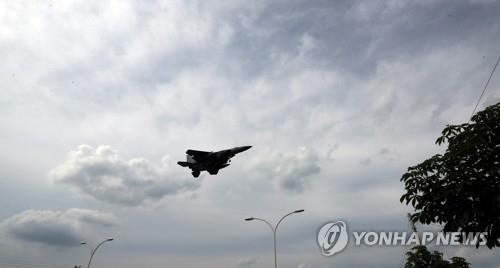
[100, 99]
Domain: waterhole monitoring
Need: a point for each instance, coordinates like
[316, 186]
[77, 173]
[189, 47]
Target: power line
[485, 86]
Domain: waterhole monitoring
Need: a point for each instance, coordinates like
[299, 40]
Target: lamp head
[250, 219]
[298, 211]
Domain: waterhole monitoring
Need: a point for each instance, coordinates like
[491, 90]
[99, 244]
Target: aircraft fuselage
[212, 162]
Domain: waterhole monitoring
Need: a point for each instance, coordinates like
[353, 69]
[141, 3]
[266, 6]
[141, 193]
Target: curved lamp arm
[96, 248]
[274, 229]
[269, 224]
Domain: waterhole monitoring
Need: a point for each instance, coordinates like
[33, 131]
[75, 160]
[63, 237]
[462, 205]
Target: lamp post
[95, 249]
[274, 229]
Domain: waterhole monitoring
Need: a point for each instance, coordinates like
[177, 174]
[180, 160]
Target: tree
[420, 257]
[459, 262]
[461, 188]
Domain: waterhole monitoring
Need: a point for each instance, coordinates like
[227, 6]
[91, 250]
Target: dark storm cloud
[357, 35]
[102, 174]
[55, 228]
[360, 41]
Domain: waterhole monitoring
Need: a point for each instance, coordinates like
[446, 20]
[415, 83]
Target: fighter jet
[199, 161]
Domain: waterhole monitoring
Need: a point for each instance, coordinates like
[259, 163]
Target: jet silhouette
[212, 162]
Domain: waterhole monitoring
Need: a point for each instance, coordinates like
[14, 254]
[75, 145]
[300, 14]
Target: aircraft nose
[241, 149]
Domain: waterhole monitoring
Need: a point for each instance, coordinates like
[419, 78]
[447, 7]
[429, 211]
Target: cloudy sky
[99, 99]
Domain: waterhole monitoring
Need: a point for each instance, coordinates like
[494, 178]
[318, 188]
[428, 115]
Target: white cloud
[292, 170]
[365, 162]
[102, 174]
[247, 263]
[147, 77]
[56, 228]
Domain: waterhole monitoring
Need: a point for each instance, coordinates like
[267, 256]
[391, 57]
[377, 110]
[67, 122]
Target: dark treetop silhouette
[420, 257]
[461, 188]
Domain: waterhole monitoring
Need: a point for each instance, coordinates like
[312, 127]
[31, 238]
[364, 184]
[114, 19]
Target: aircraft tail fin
[183, 164]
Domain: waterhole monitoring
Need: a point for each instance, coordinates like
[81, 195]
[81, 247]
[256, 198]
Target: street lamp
[274, 229]
[95, 249]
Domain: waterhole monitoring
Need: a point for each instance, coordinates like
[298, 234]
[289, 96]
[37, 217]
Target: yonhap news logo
[333, 237]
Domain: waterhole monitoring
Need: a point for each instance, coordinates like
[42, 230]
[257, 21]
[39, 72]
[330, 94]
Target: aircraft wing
[196, 154]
